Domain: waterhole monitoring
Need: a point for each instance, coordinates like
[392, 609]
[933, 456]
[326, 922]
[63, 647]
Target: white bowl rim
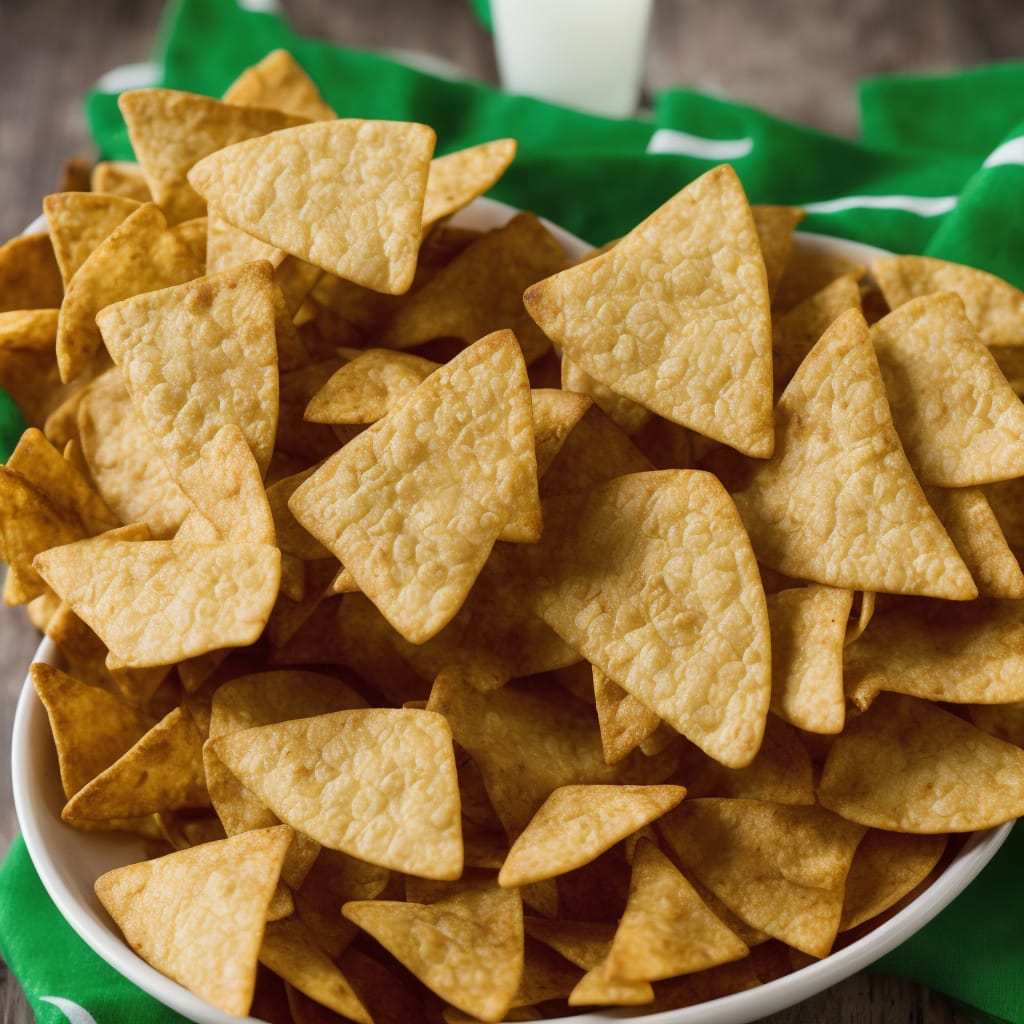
[737, 1008]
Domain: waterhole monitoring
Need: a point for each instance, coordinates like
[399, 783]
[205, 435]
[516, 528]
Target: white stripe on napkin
[74, 1013]
[668, 140]
[923, 206]
[1010, 152]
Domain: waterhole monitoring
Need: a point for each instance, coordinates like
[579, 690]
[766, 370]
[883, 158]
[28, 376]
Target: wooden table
[776, 54]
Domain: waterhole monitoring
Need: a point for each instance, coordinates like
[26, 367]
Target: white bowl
[69, 861]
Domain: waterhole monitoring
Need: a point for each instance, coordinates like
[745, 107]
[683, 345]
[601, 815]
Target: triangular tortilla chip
[667, 928]
[226, 487]
[527, 743]
[906, 765]
[958, 418]
[652, 579]
[344, 195]
[957, 654]
[808, 627]
[198, 357]
[165, 612]
[369, 386]
[839, 503]
[413, 505]
[122, 459]
[378, 784]
[625, 722]
[79, 221]
[576, 824]
[162, 771]
[691, 342]
[468, 948]
[138, 256]
[458, 178]
[279, 81]
[120, 178]
[29, 275]
[481, 290]
[993, 305]
[198, 915]
[972, 525]
[775, 226]
[91, 728]
[780, 868]
[291, 952]
[171, 130]
[28, 365]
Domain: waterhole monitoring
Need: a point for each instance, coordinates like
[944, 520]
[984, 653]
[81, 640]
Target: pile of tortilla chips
[476, 634]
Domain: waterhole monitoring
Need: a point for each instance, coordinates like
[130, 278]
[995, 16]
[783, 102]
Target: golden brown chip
[811, 266]
[291, 952]
[778, 867]
[91, 728]
[412, 506]
[199, 356]
[629, 415]
[225, 485]
[690, 340]
[367, 388]
[625, 722]
[171, 130]
[527, 742]
[555, 415]
[481, 290]
[808, 626]
[279, 81]
[467, 948]
[139, 255]
[839, 503]
[344, 195]
[959, 420]
[578, 823]
[886, 866]
[995, 307]
[29, 275]
[164, 613]
[775, 226]
[162, 771]
[963, 654]
[458, 178]
[35, 459]
[79, 221]
[28, 366]
[794, 333]
[667, 929]
[906, 765]
[198, 915]
[120, 178]
[781, 773]
[972, 524]
[121, 455]
[667, 609]
[379, 784]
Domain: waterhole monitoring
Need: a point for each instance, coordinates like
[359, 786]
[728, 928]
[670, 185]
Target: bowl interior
[69, 861]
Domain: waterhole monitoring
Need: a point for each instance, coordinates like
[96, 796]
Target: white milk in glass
[587, 54]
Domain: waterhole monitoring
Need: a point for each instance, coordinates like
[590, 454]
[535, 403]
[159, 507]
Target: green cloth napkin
[940, 171]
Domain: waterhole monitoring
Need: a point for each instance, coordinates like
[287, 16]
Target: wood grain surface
[797, 59]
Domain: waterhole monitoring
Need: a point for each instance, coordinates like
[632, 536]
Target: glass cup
[587, 54]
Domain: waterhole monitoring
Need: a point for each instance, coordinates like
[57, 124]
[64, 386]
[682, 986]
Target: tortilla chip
[79, 221]
[906, 765]
[197, 940]
[198, 357]
[120, 178]
[29, 275]
[671, 340]
[379, 784]
[667, 610]
[839, 461]
[458, 178]
[279, 81]
[412, 511]
[344, 195]
[959, 420]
